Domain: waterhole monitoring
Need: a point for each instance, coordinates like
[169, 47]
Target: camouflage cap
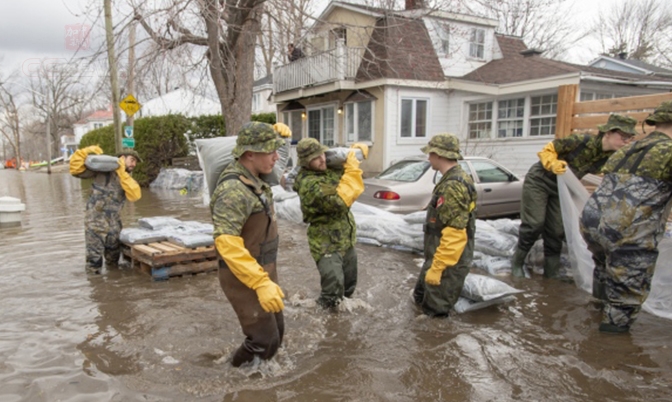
[445, 145]
[130, 152]
[662, 114]
[308, 149]
[255, 136]
[620, 122]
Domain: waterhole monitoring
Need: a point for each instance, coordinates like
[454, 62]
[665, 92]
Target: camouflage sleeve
[455, 208]
[320, 195]
[231, 209]
[563, 146]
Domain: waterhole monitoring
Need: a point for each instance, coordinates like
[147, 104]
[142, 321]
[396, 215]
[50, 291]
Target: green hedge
[160, 139]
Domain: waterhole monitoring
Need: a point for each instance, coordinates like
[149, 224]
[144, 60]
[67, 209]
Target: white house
[622, 63]
[262, 90]
[393, 79]
[179, 101]
[97, 119]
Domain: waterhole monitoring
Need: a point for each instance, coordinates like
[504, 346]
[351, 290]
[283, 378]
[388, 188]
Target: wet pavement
[65, 336]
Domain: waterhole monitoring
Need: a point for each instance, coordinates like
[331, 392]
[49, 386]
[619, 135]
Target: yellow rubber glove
[79, 157]
[453, 242]
[549, 159]
[130, 186]
[363, 147]
[351, 185]
[282, 129]
[249, 272]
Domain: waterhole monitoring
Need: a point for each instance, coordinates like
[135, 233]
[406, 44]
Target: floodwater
[65, 336]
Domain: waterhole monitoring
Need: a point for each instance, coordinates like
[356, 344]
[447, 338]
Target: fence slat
[622, 104]
[592, 121]
[566, 100]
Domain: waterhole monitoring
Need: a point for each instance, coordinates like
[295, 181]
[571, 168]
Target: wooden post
[566, 99]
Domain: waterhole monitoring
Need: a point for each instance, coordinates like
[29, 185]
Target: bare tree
[543, 24]
[640, 30]
[10, 126]
[227, 31]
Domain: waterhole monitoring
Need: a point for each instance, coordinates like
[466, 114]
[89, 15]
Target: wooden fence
[573, 116]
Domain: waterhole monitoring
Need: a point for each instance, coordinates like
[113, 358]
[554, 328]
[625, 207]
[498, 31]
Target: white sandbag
[191, 240]
[158, 222]
[493, 265]
[659, 301]
[483, 288]
[463, 304]
[337, 156]
[194, 227]
[491, 241]
[214, 155]
[101, 163]
[416, 217]
[141, 235]
[510, 226]
[177, 179]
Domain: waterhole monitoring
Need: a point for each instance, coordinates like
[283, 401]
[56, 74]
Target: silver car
[407, 186]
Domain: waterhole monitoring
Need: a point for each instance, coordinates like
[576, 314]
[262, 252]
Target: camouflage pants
[437, 301]
[540, 214]
[621, 279]
[102, 241]
[338, 277]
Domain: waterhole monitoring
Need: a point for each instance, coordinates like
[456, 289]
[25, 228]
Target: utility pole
[48, 133]
[112, 61]
[131, 68]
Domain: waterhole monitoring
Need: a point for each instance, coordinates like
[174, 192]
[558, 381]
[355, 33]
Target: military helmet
[255, 136]
[445, 145]
[620, 122]
[130, 152]
[308, 149]
[662, 114]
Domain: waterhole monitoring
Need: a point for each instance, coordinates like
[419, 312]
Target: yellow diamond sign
[130, 105]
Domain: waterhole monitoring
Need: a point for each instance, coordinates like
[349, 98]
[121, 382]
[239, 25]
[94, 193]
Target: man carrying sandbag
[326, 195]
[624, 220]
[246, 238]
[449, 229]
[109, 191]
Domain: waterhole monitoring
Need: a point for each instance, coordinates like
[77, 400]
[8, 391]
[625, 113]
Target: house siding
[457, 62]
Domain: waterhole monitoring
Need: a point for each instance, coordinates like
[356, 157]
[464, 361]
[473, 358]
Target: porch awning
[359, 96]
[293, 105]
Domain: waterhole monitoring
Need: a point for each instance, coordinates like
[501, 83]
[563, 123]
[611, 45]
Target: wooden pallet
[161, 260]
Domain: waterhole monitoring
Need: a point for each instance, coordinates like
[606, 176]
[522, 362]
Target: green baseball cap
[445, 145]
[257, 137]
[130, 152]
[662, 114]
[625, 124]
[308, 149]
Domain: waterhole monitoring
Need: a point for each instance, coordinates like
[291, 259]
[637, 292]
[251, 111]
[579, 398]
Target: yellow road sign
[130, 105]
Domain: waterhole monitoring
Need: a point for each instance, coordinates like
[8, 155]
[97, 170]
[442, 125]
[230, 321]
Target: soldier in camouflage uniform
[109, 191]
[326, 196]
[449, 230]
[540, 210]
[624, 220]
[246, 238]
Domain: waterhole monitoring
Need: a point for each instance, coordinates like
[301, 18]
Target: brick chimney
[415, 4]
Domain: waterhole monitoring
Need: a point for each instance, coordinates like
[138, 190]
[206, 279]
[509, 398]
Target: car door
[499, 192]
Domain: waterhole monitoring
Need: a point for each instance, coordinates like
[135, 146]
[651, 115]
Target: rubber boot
[614, 329]
[517, 264]
[552, 266]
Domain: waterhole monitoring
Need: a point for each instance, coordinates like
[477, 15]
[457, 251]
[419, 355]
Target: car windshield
[407, 171]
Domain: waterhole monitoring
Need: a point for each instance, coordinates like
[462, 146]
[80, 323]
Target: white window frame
[478, 121]
[510, 119]
[324, 137]
[477, 44]
[292, 118]
[351, 137]
[544, 118]
[256, 102]
[414, 117]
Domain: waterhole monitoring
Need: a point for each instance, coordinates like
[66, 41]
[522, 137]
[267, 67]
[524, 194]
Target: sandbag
[483, 288]
[191, 240]
[158, 222]
[463, 304]
[101, 163]
[336, 156]
[141, 235]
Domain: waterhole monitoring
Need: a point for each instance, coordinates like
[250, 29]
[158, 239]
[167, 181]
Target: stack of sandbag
[188, 234]
[214, 155]
[177, 179]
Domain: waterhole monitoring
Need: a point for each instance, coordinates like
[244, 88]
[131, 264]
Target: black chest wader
[263, 331]
[437, 301]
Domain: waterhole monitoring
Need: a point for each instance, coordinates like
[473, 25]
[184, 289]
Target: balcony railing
[338, 64]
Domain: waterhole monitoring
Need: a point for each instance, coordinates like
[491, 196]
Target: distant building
[262, 90]
[97, 119]
[623, 64]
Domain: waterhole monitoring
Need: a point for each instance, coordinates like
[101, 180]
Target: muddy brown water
[65, 336]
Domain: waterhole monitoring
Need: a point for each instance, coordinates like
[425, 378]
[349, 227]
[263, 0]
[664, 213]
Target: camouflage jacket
[233, 202]
[655, 164]
[332, 227]
[454, 199]
[582, 152]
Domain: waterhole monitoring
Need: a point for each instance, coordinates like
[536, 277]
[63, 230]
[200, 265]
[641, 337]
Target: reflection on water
[121, 337]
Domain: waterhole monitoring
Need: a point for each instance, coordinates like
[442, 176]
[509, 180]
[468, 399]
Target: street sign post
[130, 105]
[128, 142]
[128, 131]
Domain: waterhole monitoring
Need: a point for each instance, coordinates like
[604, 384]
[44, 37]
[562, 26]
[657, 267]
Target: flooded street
[65, 336]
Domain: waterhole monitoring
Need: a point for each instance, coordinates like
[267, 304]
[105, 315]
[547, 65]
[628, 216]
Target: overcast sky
[36, 29]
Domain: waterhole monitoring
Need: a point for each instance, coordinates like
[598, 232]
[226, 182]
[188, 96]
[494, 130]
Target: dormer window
[477, 43]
